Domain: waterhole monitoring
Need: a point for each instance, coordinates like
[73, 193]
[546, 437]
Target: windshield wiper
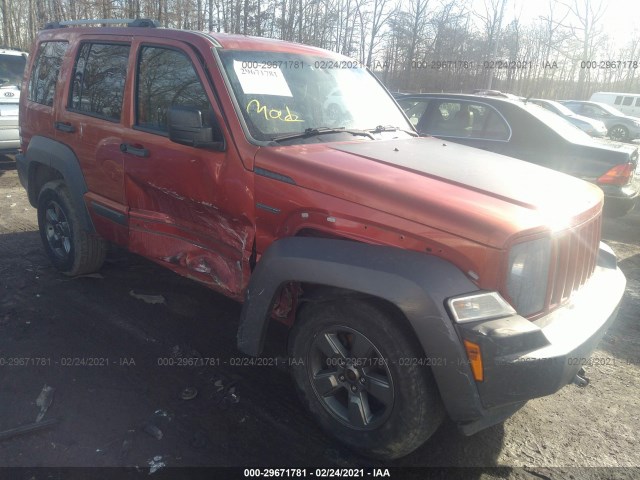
[312, 132]
[391, 128]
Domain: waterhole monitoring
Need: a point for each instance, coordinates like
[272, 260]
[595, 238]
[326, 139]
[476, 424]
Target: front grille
[573, 260]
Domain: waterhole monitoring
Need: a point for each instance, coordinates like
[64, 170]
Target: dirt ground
[124, 405]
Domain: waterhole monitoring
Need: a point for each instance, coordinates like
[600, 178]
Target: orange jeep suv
[419, 278]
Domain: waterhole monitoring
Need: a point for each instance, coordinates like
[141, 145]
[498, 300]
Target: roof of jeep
[224, 41]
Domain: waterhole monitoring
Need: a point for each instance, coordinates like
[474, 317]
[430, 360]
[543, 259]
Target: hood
[482, 196]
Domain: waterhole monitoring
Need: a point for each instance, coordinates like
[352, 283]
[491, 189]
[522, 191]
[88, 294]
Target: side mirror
[187, 128]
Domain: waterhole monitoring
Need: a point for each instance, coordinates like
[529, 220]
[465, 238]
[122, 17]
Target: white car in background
[12, 64]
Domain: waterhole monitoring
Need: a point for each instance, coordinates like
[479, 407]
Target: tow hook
[580, 379]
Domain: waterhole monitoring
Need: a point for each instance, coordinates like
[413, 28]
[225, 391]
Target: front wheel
[358, 379]
[619, 133]
[71, 249]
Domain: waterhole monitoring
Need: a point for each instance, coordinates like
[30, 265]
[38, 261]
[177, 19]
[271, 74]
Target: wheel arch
[49, 160]
[416, 283]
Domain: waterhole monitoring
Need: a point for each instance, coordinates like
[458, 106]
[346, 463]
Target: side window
[414, 109]
[495, 128]
[466, 119]
[44, 76]
[98, 80]
[618, 100]
[627, 101]
[592, 111]
[166, 77]
[637, 101]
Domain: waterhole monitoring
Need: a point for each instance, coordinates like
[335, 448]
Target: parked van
[628, 103]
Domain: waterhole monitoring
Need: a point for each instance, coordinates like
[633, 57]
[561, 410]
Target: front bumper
[524, 359]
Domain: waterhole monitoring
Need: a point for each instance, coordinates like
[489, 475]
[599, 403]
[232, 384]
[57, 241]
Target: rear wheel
[619, 133]
[71, 249]
[358, 379]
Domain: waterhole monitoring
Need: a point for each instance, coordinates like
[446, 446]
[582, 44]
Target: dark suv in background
[526, 131]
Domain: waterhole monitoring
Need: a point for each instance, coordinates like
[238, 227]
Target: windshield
[561, 109]
[611, 110]
[561, 126]
[283, 94]
[11, 69]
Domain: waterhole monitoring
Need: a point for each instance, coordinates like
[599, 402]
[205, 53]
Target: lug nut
[341, 378]
[362, 380]
[354, 389]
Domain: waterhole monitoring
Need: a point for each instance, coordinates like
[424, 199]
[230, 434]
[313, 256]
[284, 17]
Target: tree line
[412, 45]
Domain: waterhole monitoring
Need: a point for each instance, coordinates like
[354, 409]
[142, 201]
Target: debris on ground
[163, 414]
[155, 464]
[189, 393]
[153, 430]
[44, 401]
[28, 428]
[151, 299]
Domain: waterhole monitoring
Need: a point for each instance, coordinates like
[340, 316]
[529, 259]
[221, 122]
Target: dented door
[188, 209]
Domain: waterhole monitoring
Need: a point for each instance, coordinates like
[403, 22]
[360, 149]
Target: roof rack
[138, 22]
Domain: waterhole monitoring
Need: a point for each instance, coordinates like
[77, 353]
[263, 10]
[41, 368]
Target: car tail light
[618, 175]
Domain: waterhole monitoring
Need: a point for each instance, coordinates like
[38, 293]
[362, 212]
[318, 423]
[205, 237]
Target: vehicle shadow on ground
[7, 163]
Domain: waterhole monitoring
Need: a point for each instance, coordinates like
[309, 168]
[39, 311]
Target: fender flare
[417, 283]
[55, 155]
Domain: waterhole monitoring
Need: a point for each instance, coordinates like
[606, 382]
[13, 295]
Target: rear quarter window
[44, 75]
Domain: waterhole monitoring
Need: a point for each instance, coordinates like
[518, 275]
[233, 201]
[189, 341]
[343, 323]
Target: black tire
[396, 408]
[619, 133]
[71, 249]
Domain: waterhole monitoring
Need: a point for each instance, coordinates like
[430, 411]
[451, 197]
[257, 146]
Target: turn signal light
[475, 359]
[618, 175]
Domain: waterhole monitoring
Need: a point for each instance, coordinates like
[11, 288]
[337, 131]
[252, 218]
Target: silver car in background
[593, 127]
[621, 127]
[12, 64]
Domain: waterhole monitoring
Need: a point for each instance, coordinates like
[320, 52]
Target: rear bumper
[524, 360]
[9, 138]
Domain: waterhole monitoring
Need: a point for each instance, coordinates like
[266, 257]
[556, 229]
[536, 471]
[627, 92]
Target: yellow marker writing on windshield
[273, 113]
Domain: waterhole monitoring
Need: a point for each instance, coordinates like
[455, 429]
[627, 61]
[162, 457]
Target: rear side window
[618, 100]
[167, 77]
[627, 101]
[98, 80]
[463, 119]
[44, 76]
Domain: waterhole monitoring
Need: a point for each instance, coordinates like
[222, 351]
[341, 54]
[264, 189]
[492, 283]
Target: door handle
[64, 127]
[137, 150]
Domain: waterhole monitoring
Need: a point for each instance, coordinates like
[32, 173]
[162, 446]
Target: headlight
[479, 306]
[637, 124]
[528, 275]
